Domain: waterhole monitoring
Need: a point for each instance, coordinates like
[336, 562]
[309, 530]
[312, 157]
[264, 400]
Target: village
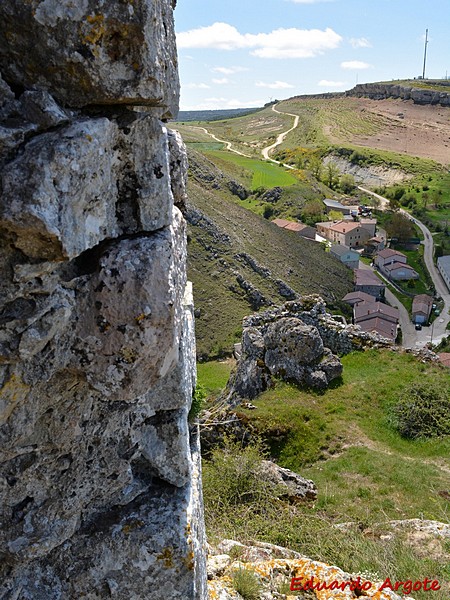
[356, 240]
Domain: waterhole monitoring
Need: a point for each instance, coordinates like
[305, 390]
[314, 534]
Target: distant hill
[214, 115]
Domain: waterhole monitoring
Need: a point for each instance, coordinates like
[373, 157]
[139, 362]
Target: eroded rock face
[92, 52]
[279, 344]
[100, 484]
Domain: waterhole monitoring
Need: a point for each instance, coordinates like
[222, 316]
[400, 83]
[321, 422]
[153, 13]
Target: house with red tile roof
[346, 233]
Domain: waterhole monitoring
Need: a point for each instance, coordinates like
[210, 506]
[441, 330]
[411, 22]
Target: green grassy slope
[230, 247]
[365, 472]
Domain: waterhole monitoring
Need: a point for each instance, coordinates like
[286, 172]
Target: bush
[267, 211]
[233, 477]
[247, 584]
[423, 410]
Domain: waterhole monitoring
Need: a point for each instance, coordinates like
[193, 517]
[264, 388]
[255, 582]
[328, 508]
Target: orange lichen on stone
[305, 569]
[97, 30]
[13, 392]
[166, 556]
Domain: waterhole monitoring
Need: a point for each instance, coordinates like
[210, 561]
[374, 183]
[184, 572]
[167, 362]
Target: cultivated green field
[265, 174]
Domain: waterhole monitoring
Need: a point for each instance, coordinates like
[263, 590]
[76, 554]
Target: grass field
[365, 472]
[264, 174]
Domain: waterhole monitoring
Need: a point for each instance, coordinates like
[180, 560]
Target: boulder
[292, 485]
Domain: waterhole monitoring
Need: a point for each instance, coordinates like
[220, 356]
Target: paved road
[439, 328]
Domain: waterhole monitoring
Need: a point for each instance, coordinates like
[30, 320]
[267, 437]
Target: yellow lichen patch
[189, 560]
[97, 30]
[129, 355]
[89, 137]
[12, 393]
[132, 525]
[167, 557]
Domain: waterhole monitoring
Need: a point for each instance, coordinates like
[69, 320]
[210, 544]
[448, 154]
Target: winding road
[265, 151]
[411, 337]
[227, 144]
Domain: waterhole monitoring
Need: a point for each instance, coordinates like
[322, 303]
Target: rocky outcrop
[419, 94]
[100, 486]
[274, 567]
[297, 342]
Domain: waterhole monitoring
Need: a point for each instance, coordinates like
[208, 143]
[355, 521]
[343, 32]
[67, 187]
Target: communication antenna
[425, 53]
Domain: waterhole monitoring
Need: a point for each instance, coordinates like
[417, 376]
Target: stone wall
[100, 487]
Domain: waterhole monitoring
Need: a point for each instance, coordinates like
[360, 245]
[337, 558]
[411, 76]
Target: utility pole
[425, 54]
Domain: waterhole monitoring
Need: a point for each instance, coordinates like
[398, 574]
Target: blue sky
[238, 53]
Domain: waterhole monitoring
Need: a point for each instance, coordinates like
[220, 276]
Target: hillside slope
[240, 262]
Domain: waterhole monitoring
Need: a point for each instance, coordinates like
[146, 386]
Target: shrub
[247, 584]
[267, 211]
[198, 401]
[233, 476]
[422, 410]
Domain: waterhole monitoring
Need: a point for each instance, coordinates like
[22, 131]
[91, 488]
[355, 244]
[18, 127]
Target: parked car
[418, 326]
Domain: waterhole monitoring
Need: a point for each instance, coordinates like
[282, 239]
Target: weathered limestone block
[66, 201]
[85, 183]
[147, 549]
[75, 421]
[91, 51]
[294, 486]
[292, 342]
[128, 329]
[290, 346]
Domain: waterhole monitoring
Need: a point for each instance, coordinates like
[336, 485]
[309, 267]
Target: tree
[394, 204]
[400, 227]
[316, 166]
[335, 215]
[331, 175]
[268, 211]
[347, 183]
[312, 212]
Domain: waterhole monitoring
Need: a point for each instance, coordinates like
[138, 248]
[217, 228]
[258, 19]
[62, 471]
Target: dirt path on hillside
[365, 442]
[227, 144]
[280, 139]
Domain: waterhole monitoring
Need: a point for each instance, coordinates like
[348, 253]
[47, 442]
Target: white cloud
[229, 70]
[328, 83]
[276, 85]
[280, 43]
[360, 42]
[355, 64]
[196, 86]
[222, 81]
[219, 35]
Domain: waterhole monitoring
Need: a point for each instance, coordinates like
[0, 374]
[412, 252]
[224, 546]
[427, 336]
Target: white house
[443, 264]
